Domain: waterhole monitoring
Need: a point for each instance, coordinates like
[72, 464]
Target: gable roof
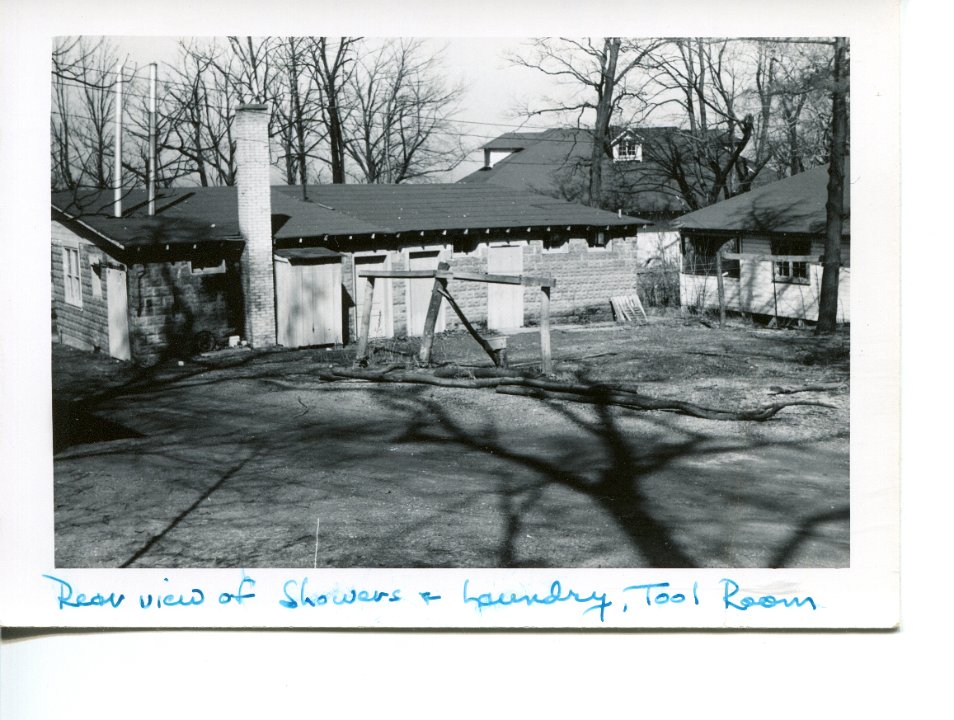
[550, 161]
[793, 205]
[193, 215]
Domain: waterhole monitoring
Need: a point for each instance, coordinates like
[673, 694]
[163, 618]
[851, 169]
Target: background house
[556, 162]
[784, 218]
[277, 266]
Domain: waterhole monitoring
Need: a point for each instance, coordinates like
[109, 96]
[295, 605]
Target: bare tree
[297, 105]
[202, 97]
[81, 122]
[706, 85]
[332, 64]
[401, 126]
[741, 106]
[597, 72]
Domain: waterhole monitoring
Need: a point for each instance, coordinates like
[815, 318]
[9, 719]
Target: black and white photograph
[397, 323]
[373, 351]
[351, 302]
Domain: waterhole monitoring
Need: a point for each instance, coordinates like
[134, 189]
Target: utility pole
[152, 140]
[118, 137]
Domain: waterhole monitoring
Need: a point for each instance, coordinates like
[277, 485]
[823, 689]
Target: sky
[494, 88]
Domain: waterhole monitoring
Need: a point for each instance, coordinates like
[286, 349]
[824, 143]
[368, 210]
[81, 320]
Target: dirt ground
[233, 459]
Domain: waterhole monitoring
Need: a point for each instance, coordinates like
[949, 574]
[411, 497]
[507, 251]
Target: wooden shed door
[419, 293]
[117, 310]
[382, 318]
[504, 302]
[308, 297]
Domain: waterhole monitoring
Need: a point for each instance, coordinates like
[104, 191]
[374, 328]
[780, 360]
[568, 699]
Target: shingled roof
[548, 161]
[191, 215]
[793, 205]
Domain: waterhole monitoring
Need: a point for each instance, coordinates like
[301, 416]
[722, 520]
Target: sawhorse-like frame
[441, 276]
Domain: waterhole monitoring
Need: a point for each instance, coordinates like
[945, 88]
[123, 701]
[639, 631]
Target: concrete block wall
[586, 279]
[169, 305]
[86, 326]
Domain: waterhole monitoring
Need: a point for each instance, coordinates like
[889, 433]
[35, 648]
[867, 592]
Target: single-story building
[281, 265]
[771, 240]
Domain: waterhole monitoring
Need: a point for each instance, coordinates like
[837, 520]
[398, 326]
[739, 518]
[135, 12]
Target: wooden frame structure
[441, 276]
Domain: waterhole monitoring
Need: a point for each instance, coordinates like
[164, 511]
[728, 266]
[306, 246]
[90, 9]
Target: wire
[341, 106]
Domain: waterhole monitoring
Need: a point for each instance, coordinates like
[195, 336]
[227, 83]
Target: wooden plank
[505, 301]
[406, 274]
[365, 328]
[506, 279]
[430, 322]
[545, 356]
[639, 306]
[771, 258]
[528, 280]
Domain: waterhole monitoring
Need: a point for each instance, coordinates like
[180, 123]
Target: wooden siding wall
[85, 327]
[756, 291]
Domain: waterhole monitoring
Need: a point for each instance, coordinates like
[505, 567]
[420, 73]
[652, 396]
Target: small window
[628, 149]
[72, 282]
[556, 243]
[599, 241]
[465, 247]
[206, 266]
[786, 270]
[699, 255]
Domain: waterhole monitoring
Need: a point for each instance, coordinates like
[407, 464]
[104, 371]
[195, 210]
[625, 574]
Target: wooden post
[430, 322]
[721, 285]
[547, 364]
[365, 328]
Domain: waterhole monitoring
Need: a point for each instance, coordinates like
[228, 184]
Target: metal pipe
[118, 138]
[152, 140]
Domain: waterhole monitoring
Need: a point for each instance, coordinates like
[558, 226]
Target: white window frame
[628, 149]
[786, 271]
[72, 276]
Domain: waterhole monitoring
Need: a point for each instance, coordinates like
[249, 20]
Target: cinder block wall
[586, 280]
[169, 305]
[86, 326]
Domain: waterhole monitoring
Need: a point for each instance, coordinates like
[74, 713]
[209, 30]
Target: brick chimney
[255, 223]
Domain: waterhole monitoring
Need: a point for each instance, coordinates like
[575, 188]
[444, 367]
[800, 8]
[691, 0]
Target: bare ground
[233, 459]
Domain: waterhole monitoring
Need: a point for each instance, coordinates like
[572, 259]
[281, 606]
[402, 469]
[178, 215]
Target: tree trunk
[828, 302]
[604, 109]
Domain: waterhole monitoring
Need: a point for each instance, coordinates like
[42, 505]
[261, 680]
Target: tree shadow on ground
[616, 475]
[615, 483]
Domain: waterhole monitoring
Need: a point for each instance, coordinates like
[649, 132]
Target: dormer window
[628, 149]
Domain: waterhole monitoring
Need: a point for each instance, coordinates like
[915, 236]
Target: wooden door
[117, 311]
[308, 299]
[419, 293]
[504, 302]
[382, 316]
